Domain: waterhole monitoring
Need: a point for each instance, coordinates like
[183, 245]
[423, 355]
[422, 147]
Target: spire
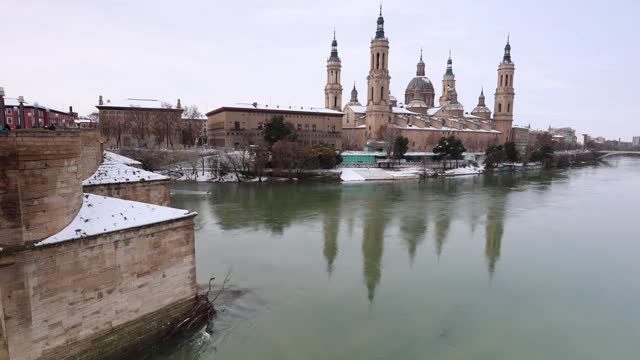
[481, 98]
[507, 51]
[380, 29]
[449, 65]
[420, 71]
[334, 47]
[354, 95]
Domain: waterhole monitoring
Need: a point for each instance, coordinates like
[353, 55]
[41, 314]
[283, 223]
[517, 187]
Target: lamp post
[3, 120]
[21, 117]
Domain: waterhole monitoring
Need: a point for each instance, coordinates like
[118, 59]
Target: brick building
[34, 115]
[239, 125]
[140, 123]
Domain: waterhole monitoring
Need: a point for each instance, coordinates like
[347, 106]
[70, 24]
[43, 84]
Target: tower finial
[380, 8]
[482, 91]
[449, 54]
[334, 33]
[508, 37]
[420, 54]
[507, 50]
[380, 27]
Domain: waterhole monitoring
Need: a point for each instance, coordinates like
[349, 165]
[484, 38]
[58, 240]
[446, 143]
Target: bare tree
[388, 134]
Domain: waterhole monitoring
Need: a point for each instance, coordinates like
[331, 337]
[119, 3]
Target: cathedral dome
[420, 83]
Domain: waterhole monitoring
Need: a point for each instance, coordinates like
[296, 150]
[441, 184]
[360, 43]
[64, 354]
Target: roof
[117, 173]
[113, 158]
[422, 83]
[276, 109]
[138, 103]
[13, 102]
[101, 214]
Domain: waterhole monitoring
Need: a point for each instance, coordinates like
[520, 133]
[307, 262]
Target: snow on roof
[399, 110]
[358, 109]
[444, 128]
[110, 157]
[115, 173]
[137, 103]
[433, 111]
[13, 102]
[101, 214]
[296, 108]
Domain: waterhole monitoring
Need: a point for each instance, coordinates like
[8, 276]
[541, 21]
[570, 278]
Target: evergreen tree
[400, 147]
[511, 152]
[276, 129]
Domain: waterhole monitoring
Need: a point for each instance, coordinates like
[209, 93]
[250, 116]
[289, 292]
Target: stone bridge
[601, 155]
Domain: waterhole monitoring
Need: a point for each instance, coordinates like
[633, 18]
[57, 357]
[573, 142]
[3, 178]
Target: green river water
[528, 266]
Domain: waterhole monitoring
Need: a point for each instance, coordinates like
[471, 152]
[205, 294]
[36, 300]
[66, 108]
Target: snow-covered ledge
[100, 214]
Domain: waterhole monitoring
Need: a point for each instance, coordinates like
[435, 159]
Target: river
[536, 265]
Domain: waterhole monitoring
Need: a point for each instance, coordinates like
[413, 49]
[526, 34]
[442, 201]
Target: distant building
[141, 123]
[237, 125]
[83, 122]
[636, 141]
[35, 115]
[367, 125]
[564, 135]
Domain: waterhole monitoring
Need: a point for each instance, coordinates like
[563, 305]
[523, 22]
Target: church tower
[333, 89]
[378, 109]
[448, 81]
[503, 107]
[354, 97]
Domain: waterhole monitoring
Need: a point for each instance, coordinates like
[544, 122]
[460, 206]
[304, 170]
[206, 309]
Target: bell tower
[333, 89]
[448, 81]
[378, 109]
[503, 107]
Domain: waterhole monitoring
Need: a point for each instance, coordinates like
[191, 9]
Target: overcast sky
[576, 61]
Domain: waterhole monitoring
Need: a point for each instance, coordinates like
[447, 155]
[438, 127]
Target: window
[313, 127]
[383, 60]
[381, 93]
[335, 101]
[236, 125]
[306, 126]
[506, 80]
[299, 126]
[501, 80]
[499, 107]
[8, 111]
[378, 61]
[509, 107]
[333, 128]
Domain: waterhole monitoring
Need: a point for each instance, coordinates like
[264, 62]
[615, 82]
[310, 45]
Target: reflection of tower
[413, 228]
[330, 227]
[333, 89]
[372, 248]
[378, 112]
[503, 107]
[442, 227]
[495, 227]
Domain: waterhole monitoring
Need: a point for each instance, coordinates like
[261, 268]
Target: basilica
[366, 126]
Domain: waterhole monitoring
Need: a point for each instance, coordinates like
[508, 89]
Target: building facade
[366, 126]
[141, 123]
[20, 114]
[239, 125]
[636, 141]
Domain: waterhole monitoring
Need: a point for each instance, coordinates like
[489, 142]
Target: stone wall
[152, 192]
[41, 172]
[97, 296]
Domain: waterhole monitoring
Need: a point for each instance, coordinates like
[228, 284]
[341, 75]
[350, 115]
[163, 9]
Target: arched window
[335, 101]
[381, 93]
[511, 81]
[501, 80]
[508, 107]
[383, 60]
[499, 107]
[506, 80]
[377, 60]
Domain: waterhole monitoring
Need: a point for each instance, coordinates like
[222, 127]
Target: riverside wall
[96, 297]
[41, 175]
[152, 192]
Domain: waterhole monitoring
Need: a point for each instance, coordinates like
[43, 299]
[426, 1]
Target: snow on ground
[469, 170]
[101, 214]
[371, 174]
[116, 173]
[113, 158]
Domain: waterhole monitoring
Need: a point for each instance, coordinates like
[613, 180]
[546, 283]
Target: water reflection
[406, 209]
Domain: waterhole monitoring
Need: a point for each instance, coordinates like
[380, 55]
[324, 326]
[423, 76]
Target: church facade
[370, 125]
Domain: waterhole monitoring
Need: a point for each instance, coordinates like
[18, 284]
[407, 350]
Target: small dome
[417, 104]
[480, 110]
[420, 83]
